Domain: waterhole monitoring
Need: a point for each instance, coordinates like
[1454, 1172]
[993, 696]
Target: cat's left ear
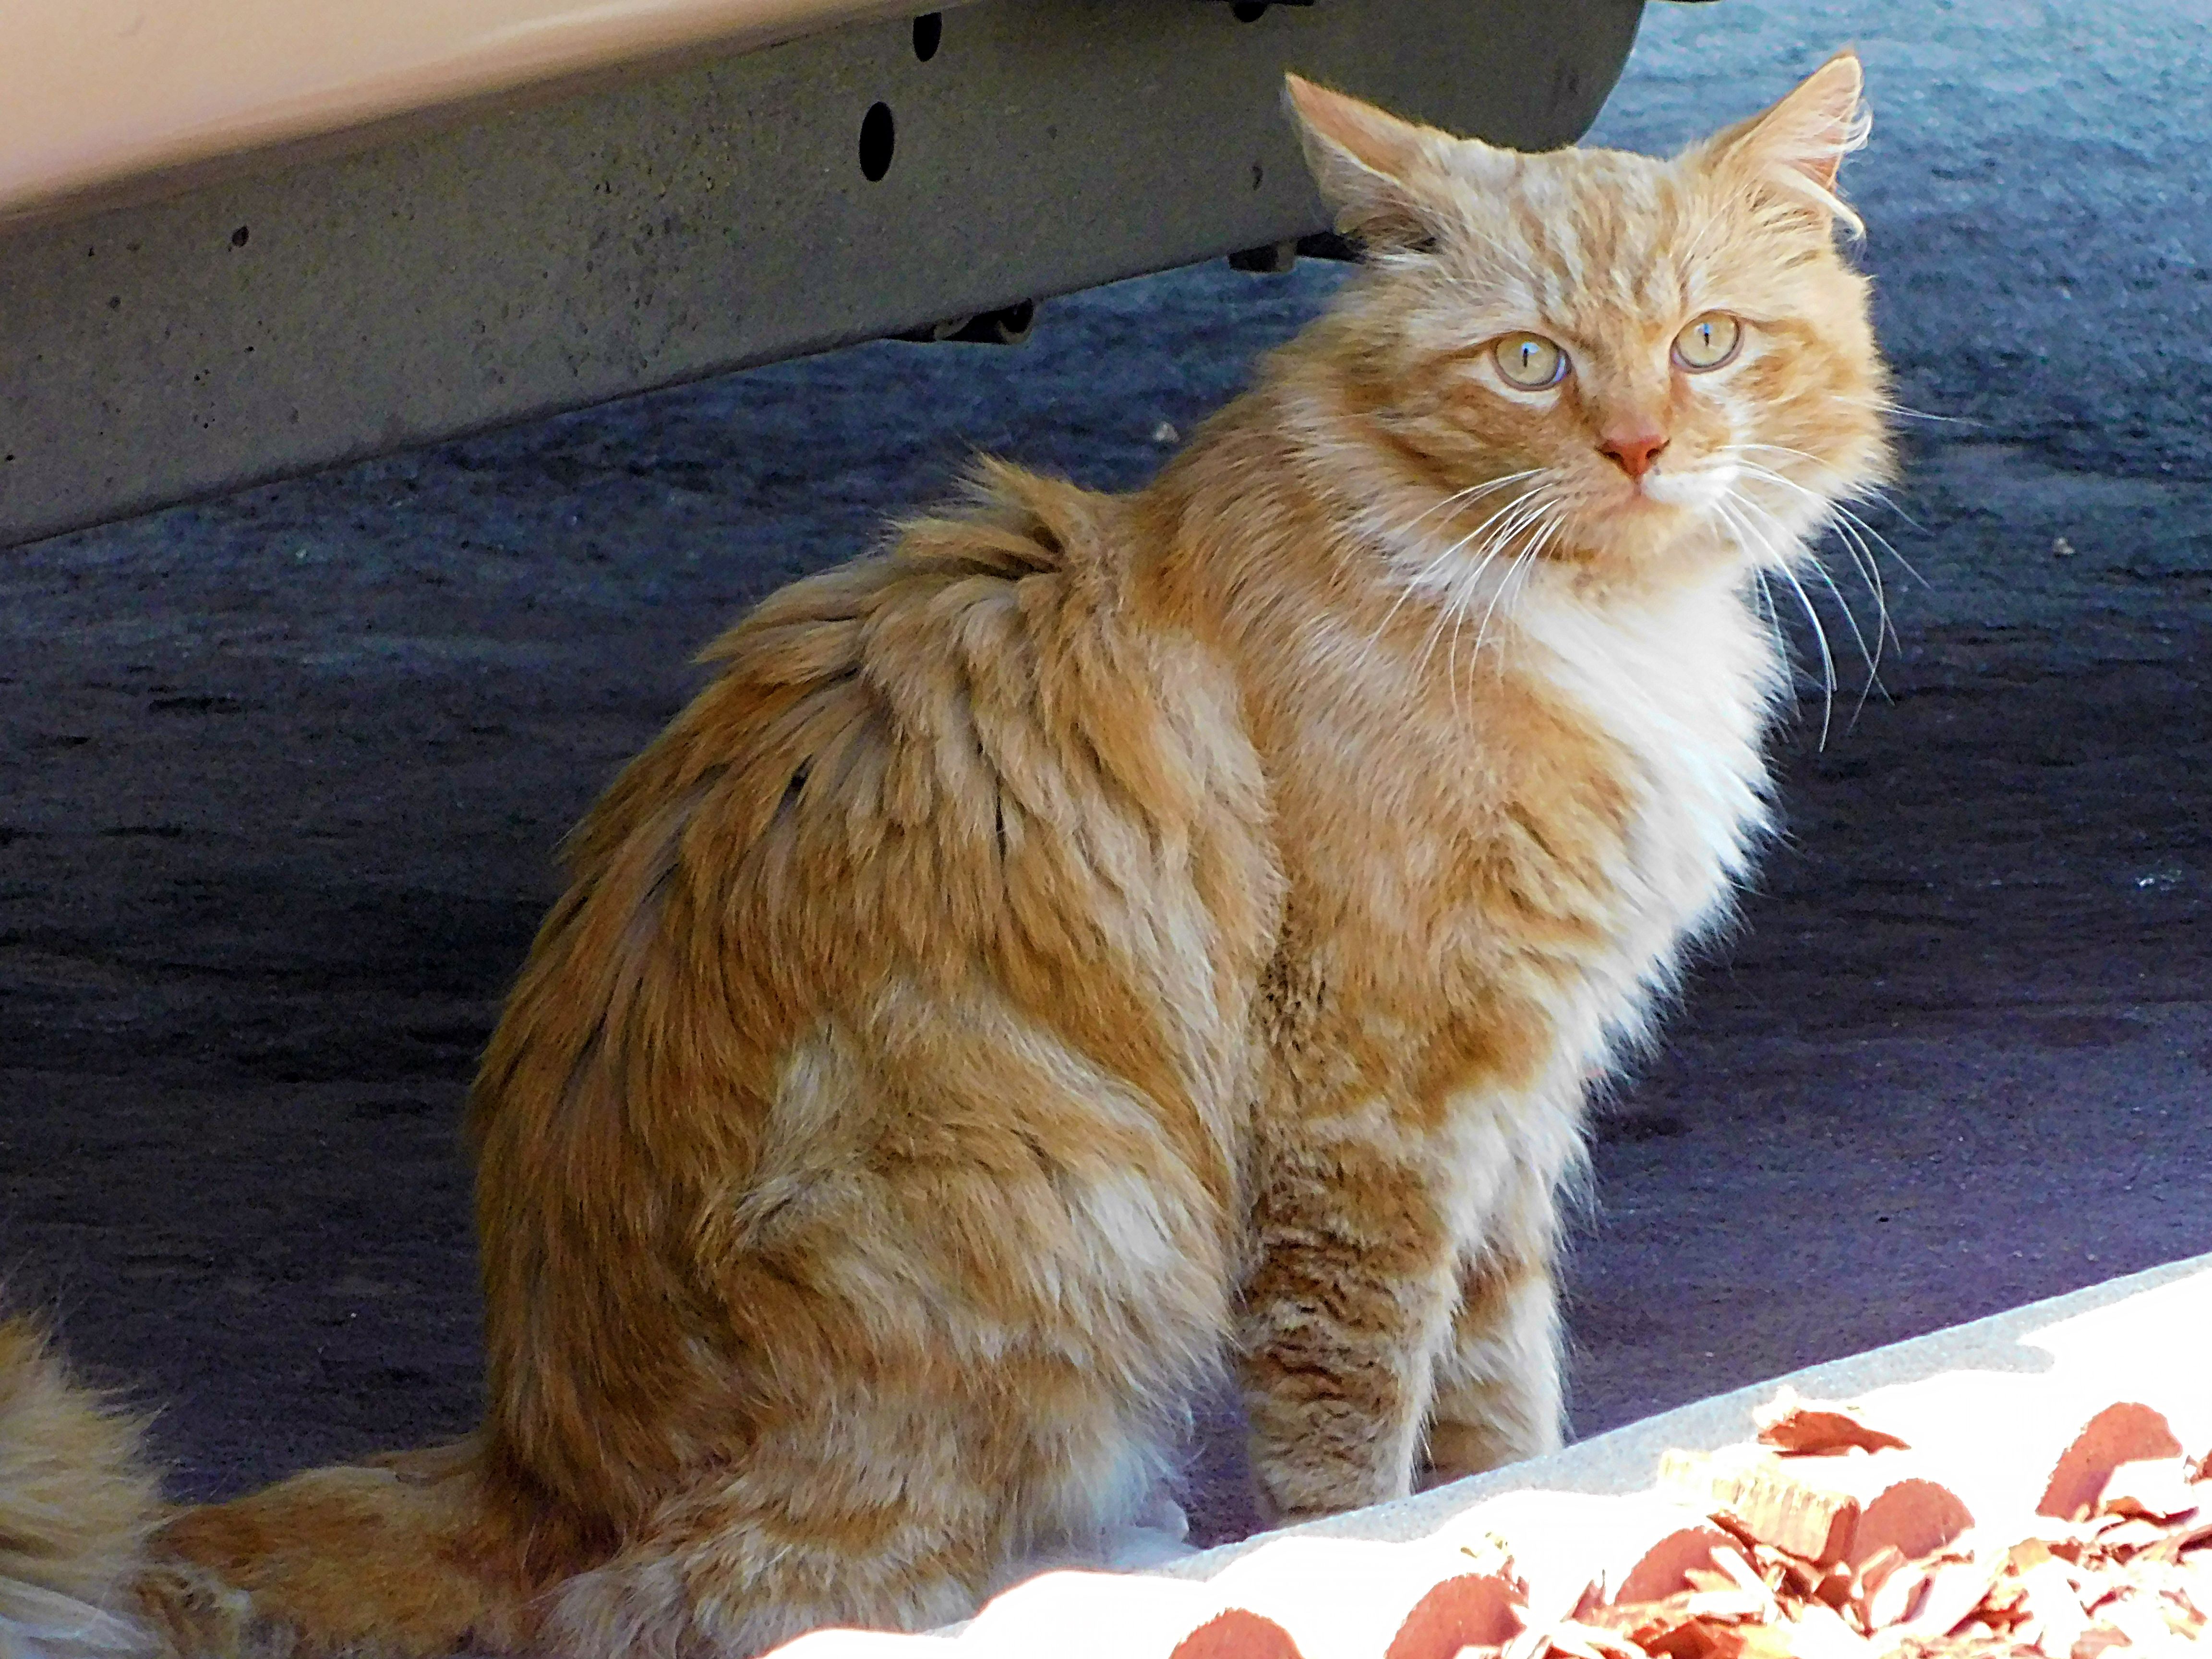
[1389, 180]
[1795, 149]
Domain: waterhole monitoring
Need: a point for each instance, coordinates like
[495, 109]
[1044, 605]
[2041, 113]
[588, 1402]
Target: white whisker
[1526, 561]
[1890, 406]
[1827, 656]
[1421, 578]
[1450, 504]
[1773, 615]
[1776, 560]
[1837, 515]
[1872, 657]
[1462, 589]
[1868, 491]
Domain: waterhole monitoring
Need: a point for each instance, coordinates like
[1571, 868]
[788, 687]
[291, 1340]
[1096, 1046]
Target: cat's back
[955, 873]
[970, 760]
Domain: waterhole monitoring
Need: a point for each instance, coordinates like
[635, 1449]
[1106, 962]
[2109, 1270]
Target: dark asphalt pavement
[280, 778]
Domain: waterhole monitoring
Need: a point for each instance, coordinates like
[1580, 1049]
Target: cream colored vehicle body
[241, 239]
[105, 94]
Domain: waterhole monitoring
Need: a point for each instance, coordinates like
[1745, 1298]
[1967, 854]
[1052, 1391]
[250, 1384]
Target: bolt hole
[877, 142]
[238, 237]
[1248, 11]
[928, 34]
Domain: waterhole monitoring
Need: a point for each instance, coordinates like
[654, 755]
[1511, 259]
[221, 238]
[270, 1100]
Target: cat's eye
[1530, 362]
[1708, 342]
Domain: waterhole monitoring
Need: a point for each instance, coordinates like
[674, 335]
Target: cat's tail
[407, 1555]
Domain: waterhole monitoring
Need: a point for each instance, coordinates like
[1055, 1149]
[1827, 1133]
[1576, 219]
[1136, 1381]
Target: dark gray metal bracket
[852, 184]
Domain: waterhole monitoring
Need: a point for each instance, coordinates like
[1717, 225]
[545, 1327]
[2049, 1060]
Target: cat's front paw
[1456, 1450]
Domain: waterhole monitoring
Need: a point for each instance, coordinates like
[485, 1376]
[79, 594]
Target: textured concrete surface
[280, 780]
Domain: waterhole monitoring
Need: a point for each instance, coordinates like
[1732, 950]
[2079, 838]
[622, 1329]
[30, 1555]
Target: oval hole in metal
[877, 140]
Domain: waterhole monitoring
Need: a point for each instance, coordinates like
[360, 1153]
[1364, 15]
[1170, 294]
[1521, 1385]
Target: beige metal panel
[713, 215]
[95, 93]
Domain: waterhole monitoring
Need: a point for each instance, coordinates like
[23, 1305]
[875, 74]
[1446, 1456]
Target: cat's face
[1587, 355]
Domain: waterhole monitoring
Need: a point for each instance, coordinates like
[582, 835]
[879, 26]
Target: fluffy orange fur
[76, 1504]
[1106, 939]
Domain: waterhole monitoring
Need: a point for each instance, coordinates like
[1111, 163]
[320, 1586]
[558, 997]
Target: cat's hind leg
[969, 1284]
[878, 1513]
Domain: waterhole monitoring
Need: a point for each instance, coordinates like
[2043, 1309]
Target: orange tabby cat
[1106, 939]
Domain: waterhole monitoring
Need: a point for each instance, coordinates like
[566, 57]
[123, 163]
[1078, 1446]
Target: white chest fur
[1685, 686]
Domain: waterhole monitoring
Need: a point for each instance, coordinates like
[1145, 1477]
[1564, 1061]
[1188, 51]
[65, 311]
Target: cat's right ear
[1790, 154]
[1385, 177]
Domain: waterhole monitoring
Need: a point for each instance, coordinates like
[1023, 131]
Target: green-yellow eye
[1530, 362]
[1708, 342]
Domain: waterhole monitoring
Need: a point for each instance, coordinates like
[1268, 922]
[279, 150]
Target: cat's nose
[1633, 453]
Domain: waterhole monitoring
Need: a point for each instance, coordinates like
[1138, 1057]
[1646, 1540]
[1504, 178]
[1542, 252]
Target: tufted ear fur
[1792, 152]
[1389, 180]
